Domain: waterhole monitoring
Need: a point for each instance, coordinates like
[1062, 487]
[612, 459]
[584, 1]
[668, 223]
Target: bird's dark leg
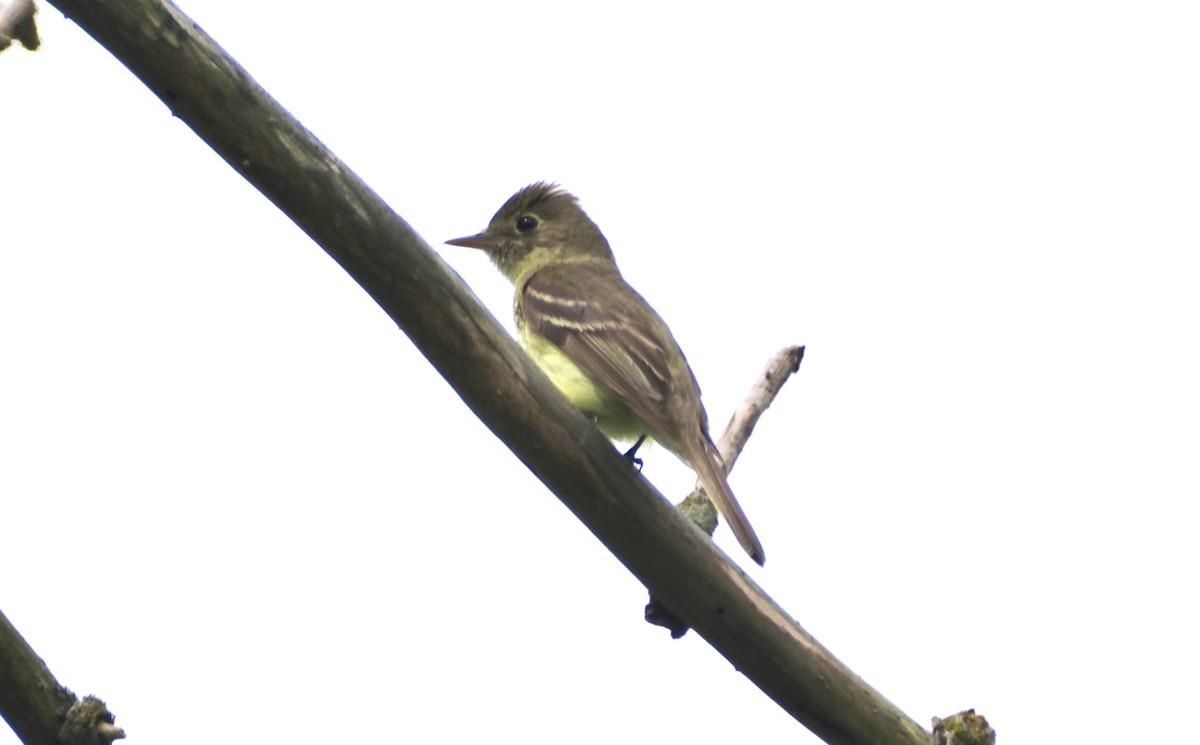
[631, 454]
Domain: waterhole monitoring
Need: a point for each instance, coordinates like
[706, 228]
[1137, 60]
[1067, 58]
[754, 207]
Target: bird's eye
[526, 223]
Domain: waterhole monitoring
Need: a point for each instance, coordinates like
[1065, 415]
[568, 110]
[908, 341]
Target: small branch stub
[89, 722]
[17, 23]
[741, 424]
[963, 728]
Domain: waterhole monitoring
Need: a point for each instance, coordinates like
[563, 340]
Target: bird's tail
[711, 471]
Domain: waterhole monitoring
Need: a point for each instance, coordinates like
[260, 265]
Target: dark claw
[631, 454]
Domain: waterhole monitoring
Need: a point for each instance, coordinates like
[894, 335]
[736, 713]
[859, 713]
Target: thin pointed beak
[480, 241]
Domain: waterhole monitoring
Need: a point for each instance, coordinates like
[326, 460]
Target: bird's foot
[631, 454]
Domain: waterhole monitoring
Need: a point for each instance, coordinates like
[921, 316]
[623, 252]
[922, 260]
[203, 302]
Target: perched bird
[600, 343]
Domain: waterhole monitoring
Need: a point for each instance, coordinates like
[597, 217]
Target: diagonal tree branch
[39, 710]
[214, 96]
[31, 700]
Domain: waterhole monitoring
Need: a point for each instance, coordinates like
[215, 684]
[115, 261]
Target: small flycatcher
[595, 337]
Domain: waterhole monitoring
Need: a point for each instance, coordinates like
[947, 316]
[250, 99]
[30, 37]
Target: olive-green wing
[609, 331]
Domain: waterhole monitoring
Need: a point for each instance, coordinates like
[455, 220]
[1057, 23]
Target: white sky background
[234, 500]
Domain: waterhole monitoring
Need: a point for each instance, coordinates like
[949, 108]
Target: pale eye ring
[526, 223]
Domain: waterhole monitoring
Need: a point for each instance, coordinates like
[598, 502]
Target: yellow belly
[611, 414]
